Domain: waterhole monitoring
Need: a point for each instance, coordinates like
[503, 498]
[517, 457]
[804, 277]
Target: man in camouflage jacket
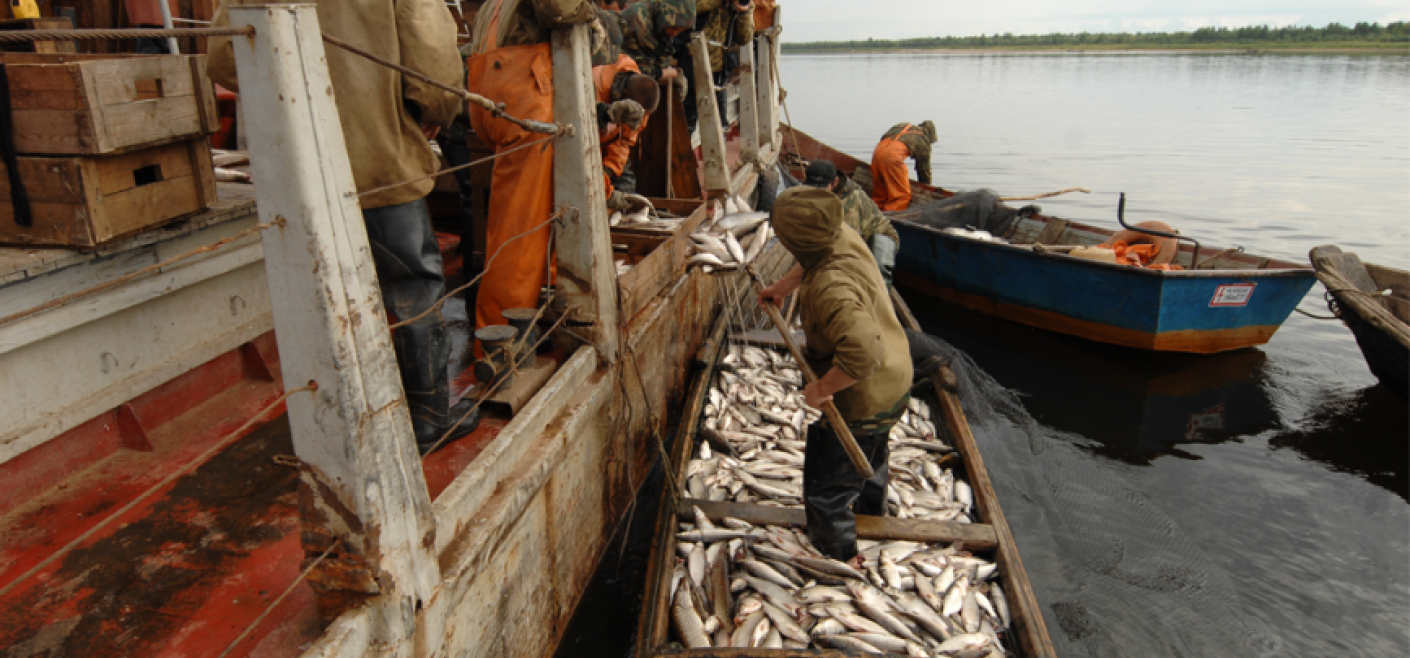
[860, 213]
[648, 28]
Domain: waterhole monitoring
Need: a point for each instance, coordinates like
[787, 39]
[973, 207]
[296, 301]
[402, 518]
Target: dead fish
[764, 571]
[845, 643]
[826, 565]
[732, 221]
[874, 605]
[712, 535]
[785, 624]
[688, 623]
[1001, 603]
[962, 644]
[828, 626]
[735, 250]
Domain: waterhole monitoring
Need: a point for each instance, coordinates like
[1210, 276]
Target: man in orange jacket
[510, 63]
[890, 179]
[625, 101]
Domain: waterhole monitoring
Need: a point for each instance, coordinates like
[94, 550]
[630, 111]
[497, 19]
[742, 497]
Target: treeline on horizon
[1368, 33]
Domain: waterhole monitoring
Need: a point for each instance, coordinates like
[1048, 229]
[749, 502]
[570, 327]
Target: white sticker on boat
[1232, 294]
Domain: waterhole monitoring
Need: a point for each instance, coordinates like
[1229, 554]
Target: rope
[277, 600]
[200, 459]
[1315, 316]
[61, 301]
[451, 170]
[495, 109]
[22, 36]
[670, 134]
[482, 274]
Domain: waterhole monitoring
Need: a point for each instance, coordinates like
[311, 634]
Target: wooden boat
[162, 498]
[1226, 301]
[990, 537]
[1374, 302]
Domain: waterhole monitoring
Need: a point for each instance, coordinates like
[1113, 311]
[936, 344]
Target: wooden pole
[839, 426]
[769, 87]
[748, 101]
[712, 133]
[587, 275]
[361, 483]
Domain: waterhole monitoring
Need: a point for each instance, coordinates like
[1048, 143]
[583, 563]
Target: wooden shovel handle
[839, 426]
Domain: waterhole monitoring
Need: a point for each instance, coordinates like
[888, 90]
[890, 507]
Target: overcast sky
[840, 20]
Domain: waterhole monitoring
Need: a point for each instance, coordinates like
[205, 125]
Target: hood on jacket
[807, 221]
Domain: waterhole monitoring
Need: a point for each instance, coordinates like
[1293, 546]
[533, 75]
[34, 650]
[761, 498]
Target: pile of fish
[737, 585]
[733, 236]
[756, 423]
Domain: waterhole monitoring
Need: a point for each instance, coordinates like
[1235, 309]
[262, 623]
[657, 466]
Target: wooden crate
[86, 104]
[84, 201]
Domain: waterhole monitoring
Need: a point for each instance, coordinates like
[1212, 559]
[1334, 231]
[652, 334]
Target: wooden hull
[1191, 311]
[990, 537]
[1374, 302]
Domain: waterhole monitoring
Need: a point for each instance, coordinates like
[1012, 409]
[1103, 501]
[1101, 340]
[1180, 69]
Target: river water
[1254, 503]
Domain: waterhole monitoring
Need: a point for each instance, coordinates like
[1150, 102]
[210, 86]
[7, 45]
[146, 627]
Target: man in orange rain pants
[890, 180]
[625, 100]
[510, 63]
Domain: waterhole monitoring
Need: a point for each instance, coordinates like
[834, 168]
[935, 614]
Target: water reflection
[1136, 405]
[1365, 432]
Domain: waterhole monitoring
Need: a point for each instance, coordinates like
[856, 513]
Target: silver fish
[732, 221]
[845, 643]
[688, 624]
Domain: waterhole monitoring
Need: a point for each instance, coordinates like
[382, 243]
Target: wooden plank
[119, 81]
[1028, 616]
[118, 173]
[332, 328]
[976, 536]
[1052, 231]
[767, 93]
[587, 275]
[748, 100]
[713, 155]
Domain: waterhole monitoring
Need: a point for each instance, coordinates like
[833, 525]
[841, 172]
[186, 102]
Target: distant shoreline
[1343, 48]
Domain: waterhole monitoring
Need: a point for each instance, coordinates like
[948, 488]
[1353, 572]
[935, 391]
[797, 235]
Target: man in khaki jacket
[855, 341]
[387, 120]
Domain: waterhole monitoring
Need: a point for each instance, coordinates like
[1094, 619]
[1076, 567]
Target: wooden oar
[839, 426]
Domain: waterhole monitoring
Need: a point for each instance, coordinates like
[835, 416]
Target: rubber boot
[872, 500]
[831, 484]
[408, 262]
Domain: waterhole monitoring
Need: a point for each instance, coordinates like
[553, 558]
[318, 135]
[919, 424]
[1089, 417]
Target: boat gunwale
[1286, 269]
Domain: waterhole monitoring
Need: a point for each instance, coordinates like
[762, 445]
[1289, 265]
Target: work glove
[628, 202]
[627, 113]
[681, 85]
[599, 35]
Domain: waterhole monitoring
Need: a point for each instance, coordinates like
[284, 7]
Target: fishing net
[976, 209]
[1111, 570]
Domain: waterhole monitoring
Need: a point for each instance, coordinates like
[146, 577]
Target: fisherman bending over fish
[854, 338]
